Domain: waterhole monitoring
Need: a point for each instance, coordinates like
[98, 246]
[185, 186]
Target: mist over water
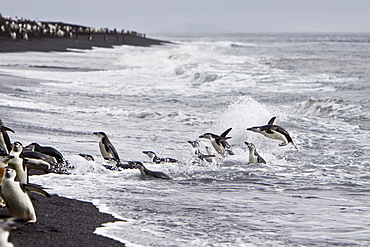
[161, 97]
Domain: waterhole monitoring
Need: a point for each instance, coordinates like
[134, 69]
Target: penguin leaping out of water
[107, 149]
[155, 159]
[254, 157]
[219, 143]
[274, 132]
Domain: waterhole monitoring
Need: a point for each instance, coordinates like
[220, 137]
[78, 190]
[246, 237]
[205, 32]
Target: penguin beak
[254, 129]
[202, 136]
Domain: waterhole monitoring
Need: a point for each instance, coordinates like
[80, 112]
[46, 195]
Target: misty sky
[233, 16]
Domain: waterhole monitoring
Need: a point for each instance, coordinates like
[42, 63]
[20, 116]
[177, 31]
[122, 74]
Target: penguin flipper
[34, 188]
[224, 134]
[271, 130]
[261, 160]
[272, 120]
[7, 129]
[110, 148]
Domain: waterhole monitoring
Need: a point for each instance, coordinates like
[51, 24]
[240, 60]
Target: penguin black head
[33, 146]
[194, 144]
[250, 145]
[100, 134]
[17, 147]
[207, 136]
[10, 173]
[255, 129]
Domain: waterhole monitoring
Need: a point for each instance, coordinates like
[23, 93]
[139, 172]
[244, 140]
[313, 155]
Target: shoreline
[57, 44]
[63, 222]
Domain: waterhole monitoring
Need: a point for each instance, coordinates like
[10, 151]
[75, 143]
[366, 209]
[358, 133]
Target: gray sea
[161, 97]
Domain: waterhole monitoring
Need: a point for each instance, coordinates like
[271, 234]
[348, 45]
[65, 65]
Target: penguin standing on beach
[4, 159]
[17, 162]
[16, 197]
[274, 132]
[107, 149]
[219, 143]
[7, 223]
[254, 157]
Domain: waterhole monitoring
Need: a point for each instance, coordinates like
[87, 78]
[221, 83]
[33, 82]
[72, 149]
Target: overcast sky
[233, 16]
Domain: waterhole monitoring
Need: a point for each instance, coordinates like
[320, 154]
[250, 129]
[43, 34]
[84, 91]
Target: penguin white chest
[275, 135]
[104, 151]
[19, 203]
[252, 157]
[217, 147]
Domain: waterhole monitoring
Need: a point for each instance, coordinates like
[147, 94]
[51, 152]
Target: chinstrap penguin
[7, 223]
[219, 143]
[155, 159]
[16, 197]
[5, 143]
[198, 155]
[18, 163]
[146, 173]
[107, 149]
[254, 157]
[49, 151]
[274, 132]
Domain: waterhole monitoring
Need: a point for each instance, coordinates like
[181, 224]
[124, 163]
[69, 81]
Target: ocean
[158, 98]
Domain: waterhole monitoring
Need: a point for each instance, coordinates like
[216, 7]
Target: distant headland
[19, 35]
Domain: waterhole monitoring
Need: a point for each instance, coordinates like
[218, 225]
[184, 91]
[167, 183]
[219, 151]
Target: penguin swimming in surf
[274, 132]
[146, 173]
[197, 154]
[219, 143]
[155, 159]
[254, 157]
[107, 149]
[16, 197]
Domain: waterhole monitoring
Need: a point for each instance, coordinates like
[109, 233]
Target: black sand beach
[62, 222]
[48, 44]
[22, 35]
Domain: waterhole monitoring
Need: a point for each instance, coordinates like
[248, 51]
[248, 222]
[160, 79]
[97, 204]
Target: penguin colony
[16, 161]
[21, 28]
